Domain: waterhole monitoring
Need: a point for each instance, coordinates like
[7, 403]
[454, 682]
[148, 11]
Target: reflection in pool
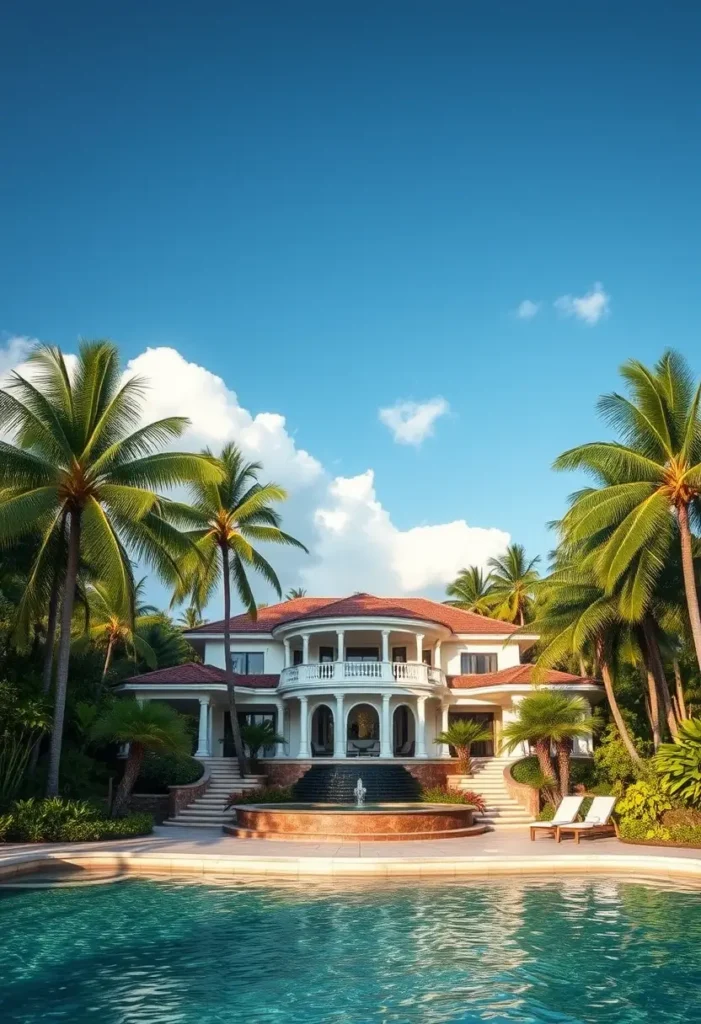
[570, 950]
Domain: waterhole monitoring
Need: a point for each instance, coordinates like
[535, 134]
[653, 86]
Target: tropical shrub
[547, 813]
[583, 773]
[263, 795]
[54, 820]
[613, 762]
[23, 721]
[645, 801]
[443, 795]
[257, 736]
[640, 831]
[527, 771]
[689, 817]
[462, 734]
[679, 763]
[160, 770]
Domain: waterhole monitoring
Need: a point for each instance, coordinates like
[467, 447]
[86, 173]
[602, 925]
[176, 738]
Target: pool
[526, 950]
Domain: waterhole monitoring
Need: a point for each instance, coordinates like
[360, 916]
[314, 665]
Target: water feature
[359, 793]
[564, 951]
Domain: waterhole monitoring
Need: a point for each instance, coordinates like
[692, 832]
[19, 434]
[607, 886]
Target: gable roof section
[517, 675]
[194, 674]
[359, 605]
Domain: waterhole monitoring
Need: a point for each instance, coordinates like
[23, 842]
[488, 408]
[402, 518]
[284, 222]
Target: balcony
[362, 675]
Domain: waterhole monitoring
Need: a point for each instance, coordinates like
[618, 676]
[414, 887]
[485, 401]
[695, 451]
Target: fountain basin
[371, 822]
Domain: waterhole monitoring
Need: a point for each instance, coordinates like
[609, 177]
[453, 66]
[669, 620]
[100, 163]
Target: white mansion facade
[357, 677]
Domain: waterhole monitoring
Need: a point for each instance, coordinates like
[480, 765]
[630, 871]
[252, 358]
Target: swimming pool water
[569, 950]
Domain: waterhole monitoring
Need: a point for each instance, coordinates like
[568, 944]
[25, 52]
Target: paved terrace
[205, 852]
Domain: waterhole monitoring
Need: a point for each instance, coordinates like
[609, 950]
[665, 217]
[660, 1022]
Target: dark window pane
[326, 654]
[297, 657]
[477, 664]
[238, 663]
[255, 663]
[399, 654]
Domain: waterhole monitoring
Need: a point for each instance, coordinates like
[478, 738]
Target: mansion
[357, 677]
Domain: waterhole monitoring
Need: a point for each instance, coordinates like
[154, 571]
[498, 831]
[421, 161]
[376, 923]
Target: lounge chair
[564, 815]
[597, 822]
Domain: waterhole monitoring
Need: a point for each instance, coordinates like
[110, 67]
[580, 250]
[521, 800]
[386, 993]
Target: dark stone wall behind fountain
[334, 784]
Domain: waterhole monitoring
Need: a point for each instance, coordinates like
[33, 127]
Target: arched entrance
[363, 731]
[322, 732]
[403, 732]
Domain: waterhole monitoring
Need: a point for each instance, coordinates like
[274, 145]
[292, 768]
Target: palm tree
[225, 520]
[256, 736]
[648, 481]
[547, 718]
[295, 592]
[471, 591]
[462, 734]
[513, 578]
[111, 624]
[149, 726]
[76, 466]
[191, 618]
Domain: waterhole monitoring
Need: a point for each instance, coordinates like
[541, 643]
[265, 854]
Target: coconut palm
[225, 520]
[294, 592]
[513, 578]
[152, 725]
[191, 618]
[256, 736]
[547, 718]
[648, 481]
[112, 625]
[463, 734]
[78, 465]
[471, 591]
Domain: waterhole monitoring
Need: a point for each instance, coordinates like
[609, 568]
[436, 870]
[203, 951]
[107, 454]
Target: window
[245, 664]
[362, 654]
[426, 657]
[326, 655]
[477, 664]
[399, 654]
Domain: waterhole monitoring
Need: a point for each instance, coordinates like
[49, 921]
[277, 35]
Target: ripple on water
[155, 952]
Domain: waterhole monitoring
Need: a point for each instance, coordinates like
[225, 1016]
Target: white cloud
[14, 352]
[412, 422]
[354, 545]
[590, 307]
[527, 309]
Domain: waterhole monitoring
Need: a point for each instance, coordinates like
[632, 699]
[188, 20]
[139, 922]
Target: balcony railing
[363, 672]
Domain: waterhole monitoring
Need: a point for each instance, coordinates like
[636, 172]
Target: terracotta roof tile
[517, 675]
[303, 608]
[194, 674]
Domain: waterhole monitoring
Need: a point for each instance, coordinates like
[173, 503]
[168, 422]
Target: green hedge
[67, 821]
[527, 771]
[641, 831]
[162, 770]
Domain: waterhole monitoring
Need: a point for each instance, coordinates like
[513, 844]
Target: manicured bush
[443, 795]
[547, 813]
[640, 831]
[527, 771]
[67, 821]
[160, 770]
[263, 795]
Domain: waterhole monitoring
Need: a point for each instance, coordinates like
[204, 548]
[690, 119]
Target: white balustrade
[402, 673]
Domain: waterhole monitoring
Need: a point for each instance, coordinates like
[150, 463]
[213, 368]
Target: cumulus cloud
[527, 309]
[354, 545]
[413, 422]
[13, 353]
[589, 308]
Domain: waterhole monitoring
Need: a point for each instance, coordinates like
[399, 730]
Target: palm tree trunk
[692, 597]
[660, 678]
[681, 700]
[64, 652]
[131, 774]
[653, 709]
[464, 761]
[613, 704]
[542, 749]
[108, 657]
[233, 713]
[48, 664]
[563, 765]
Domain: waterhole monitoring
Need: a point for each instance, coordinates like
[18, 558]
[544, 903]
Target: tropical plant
[78, 466]
[648, 482]
[513, 578]
[257, 736]
[294, 593]
[462, 734]
[547, 718]
[67, 821]
[225, 521]
[472, 591]
[23, 721]
[262, 795]
[112, 624]
[191, 618]
[644, 801]
[152, 725]
[161, 770]
[679, 763]
[443, 795]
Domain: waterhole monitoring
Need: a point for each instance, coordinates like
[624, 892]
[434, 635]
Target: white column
[280, 747]
[339, 728]
[445, 749]
[437, 655]
[303, 727]
[202, 744]
[386, 727]
[385, 645]
[419, 647]
[305, 648]
[583, 744]
[288, 660]
[338, 670]
[421, 726]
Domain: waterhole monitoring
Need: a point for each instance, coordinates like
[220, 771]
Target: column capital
[386, 632]
[205, 700]
[386, 697]
[303, 700]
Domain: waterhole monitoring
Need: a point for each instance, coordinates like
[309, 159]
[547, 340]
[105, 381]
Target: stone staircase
[209, 810]
[503, 812]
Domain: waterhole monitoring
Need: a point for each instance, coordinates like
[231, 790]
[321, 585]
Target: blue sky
[337, 206]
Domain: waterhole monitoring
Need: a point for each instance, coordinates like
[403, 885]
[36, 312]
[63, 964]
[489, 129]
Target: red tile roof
[194, 674]
[302, 608]
[517, 675]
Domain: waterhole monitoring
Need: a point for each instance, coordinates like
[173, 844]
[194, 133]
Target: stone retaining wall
[155, 804]
[182, 796]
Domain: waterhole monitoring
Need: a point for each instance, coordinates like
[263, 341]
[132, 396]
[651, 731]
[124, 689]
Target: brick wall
[284, 773]
[156, 804]
[182, 796]
[432, 773]
[428, 773]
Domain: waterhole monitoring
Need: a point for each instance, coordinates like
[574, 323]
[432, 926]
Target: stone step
[178, 823]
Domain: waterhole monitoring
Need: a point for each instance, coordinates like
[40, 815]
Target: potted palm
[256, 737]
[461, 735]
